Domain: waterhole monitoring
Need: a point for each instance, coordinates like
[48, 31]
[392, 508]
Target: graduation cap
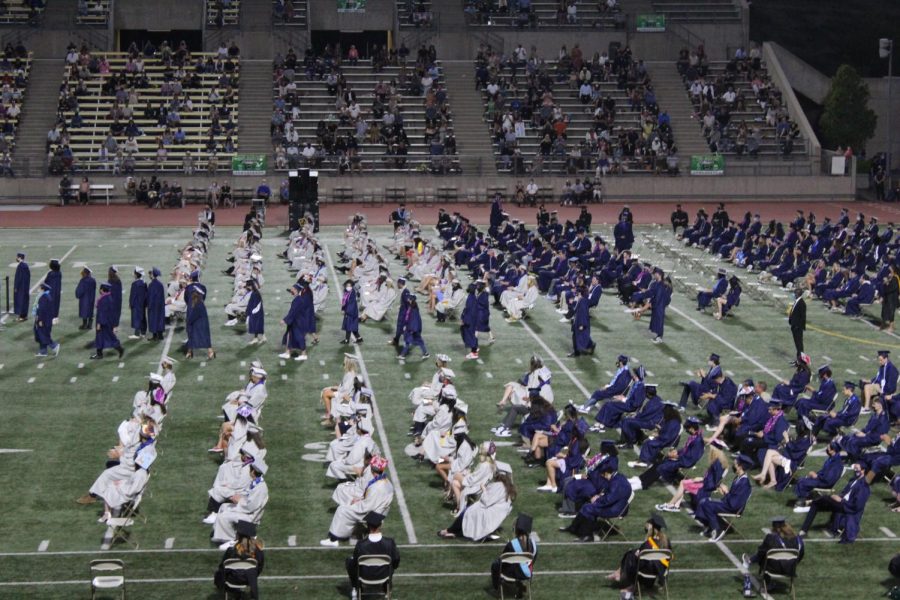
[657, 521]
[722, 272]
[374, 519]
[155, 377]
[779, 520]
[366, 391]
[715, 372]
[650, 387]
[622, 359]
[489, 448]
[745, 461]
[776, 404]
[114, 269]
[850, 384]
[195, 275]
[449, 392]
[714, 357]
[825, 369]
[168, 360]
[884, 353]
[693, 421]
[523, 524]
[448, 373]
[86, 269]
[154, 272]
[260, 466]
[804, 359]
[462, 407]
[256, 257]
[258, 371]
[244, 410]
[606, 467]
[20, 255]
[378, 463]
[138, 271]
[245, 529]
[252, 450]
[607, 445]
[835, 446]
[503, 467]
[105, 286]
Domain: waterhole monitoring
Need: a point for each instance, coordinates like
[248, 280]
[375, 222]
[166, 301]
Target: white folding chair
[785, 556]
[107, 574]
[650, 555]
[610, 523]
[516, 559]
[117, 528]
[237, 564]
[385, 583]
[729, 519]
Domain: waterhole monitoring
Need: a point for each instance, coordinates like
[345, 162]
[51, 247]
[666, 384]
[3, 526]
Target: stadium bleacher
[539, 121]
[14, 12]
[315, 101]
[739, 108]
[545, 14]
[698, 11]
[15, 67]
[414, 13]
[221, 13]
[172, 94]
[290, 12]
[93, 12]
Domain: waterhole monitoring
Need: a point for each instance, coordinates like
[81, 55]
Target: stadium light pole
[886, 50]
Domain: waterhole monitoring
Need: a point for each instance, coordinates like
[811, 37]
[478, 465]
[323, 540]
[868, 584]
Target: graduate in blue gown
[617, 386]
[412, 329]
[611, 412]
[577, 491]
[878, 424]
[667, 436]
[825, 478]
[350, 308]
[623, 234]
[256, 314]
[832, 422]
[846, 508]
[116, 292]
[734, 501]
[467, 322]
[658, 303]
[21, 287]
[608, 504]
[823, 398]
[156, 305]
[581, 326]
[405, 295]
[189, 290]
[296, 322]
[86, 293]
[787, 392]
[106, 323]
[706, 297]
[483, 311]
[197, 326]
[43, 321]
[669, 468]
[647, 418]
[54, 280]
[137, 303]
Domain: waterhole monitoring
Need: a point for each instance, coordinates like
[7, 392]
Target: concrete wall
[780, 78]
[379, 16]
[804, 78]
[159, 14]
[879, 103]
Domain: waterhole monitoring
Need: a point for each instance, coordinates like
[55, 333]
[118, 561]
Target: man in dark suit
[374, 543]
[679, 218]
[797, 320]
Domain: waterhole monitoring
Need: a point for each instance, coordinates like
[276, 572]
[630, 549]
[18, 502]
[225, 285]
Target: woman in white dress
[481, 519]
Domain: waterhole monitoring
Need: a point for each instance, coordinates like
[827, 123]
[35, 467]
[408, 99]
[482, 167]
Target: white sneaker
[329, 542]
[261, 339]
[583, 409]
[564, 320]
[284, 355]
[231, 322]
[801, 509]
[226, 545]
[562, 311]
[301, 357]
[253, 342]
[210, 518]
[354, 595]
[56, 321]
[134, 337]
[472, 356]
[547, 488]
[504, 433]
[786, 465]
[636, 464]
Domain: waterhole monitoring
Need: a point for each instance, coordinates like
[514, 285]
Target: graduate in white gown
[481, 519]
[247, 505]
[429, 390]
[515, 302]
[470, 481]
[123, 491]
[233, 476]
[450, 301]
[377, 496]
[134, 435]
[538, 377]
[352, 463]
[253, 395]
[379, 301]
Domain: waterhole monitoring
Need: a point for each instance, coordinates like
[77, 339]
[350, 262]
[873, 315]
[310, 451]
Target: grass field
[65, 412]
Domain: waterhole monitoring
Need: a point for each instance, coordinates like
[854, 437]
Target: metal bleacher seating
[21, 11]
[698, 11]
[223, 13]
[290, 12]
[92, 12]
[414, 13]
[545, 14]
[95, 101]
[14, 71]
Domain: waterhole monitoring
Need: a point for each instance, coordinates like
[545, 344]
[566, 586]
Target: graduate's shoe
[359, 340]
[547, 488]
[801, 508]
[135, 337]
[285, 355]
[572, 354]
[56, 321]
[716, 535]
[86, 499]
[56, 349]
[301, 357]
[344, 341]
[44, 355]
[121, 351]
[504, 433]
[636, 464]
[584, 409]
[261, 339]
[472, 356]
[226, 545]
[253, 342]
[231, 322]
[666, 507]
[329, 542]
[97, 355]
[745, 560]
[565, 515]
[210, 518]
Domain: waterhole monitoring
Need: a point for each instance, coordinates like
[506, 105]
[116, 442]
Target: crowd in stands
[146, 109]
[574, 114]
[598, 14]
[15, 66]
[93, 12]
[21, 11]
[415, 13]
[223, 12]
[740, 110]
[340, 112]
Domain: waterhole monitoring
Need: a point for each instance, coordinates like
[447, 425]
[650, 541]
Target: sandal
[443, 533]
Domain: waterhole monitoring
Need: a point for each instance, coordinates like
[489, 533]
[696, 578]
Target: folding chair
[651, 555]
[610, 523]
[816, 413]
[237, 564]
[729, 519]
[516, 559]
[783, 555]
[107, 574]
[374, 560]
[117, 527]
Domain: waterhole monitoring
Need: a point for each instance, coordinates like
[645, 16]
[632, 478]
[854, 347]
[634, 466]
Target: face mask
[348, 288]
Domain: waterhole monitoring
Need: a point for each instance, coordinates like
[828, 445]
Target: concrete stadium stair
[672, 98]
[38, 116]
[255, 107]
[472, 138]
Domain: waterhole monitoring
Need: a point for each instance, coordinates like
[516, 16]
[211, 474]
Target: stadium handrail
[776, 72]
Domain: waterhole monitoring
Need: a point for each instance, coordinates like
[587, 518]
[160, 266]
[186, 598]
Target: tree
[847, 120]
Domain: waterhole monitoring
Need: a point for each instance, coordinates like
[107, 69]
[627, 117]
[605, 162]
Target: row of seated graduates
[171, 79]
[344, 131]
[621, 140]
[15, 68]
[738, 105]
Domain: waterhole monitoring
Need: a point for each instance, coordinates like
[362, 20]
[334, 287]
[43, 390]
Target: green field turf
[66, 411]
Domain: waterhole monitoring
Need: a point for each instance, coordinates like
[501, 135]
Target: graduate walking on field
[54, 280]
[581, 327]
[198, 327]
[256, 315]
[350, 308]
[137, 302]
[300, 320]
[21, 287]
[156, 306]
[86, 293]
[412, 330]
[43, 322]
[468, 320]
[115, 291]
[106, 323]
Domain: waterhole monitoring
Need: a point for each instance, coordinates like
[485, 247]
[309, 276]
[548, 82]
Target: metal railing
[684, 33]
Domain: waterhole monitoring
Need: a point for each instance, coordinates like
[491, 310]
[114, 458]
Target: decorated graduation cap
[244, 410]
[245, 529]
[374, 519]
[804, 358]
[378, 463]
[444, 358]
[489, 448]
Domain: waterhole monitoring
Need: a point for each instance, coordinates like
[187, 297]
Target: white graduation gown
[377, 497]
[487, 514]
[380, 303]
[232, 477]
[124, 491]
[344, 468]
[250, 508]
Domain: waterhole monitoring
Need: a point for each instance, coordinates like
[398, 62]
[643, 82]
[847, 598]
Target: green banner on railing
[651, 22]
[249, 164]
[351, 6]
[707, 164]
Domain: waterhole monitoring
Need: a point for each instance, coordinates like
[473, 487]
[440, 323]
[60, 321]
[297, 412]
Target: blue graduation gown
[615, 387]
[349, 307]
[256, 316]
[688, 456]
[826, 477]
[668, 436]
[647, 418]
[467, 322]
[855, 496]
[189, 292]
[877, 426]
[483, 312]
[724, 400]
[733, 502]
[787, 394]
[753, 417]
[412, 330]
[531, 424]
[611, 413]
[156, 306]
[711, 481]
[307, 311]
[705, 298]
[86, 292]
[581, 328]
[297, 322]
[197, 326]
[405, 295]
[820, 400]
[624, 236]
[21, 289]
[846, 417]
[54, 280]
[43, 320]
[795, 451]
[612, 502]
[137, 302]
[115, 290]
[106, 321]
[581, 490]
[661, 299]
